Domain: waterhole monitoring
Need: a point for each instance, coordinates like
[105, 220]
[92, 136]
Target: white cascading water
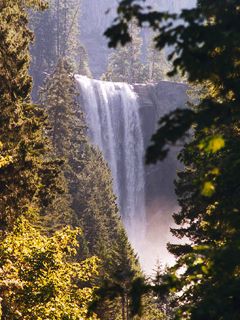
[112, 113]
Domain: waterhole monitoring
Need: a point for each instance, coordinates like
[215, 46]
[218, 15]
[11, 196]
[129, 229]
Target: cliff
[156, 100]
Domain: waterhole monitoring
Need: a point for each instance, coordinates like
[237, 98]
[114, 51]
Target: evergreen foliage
[57, 35]
[157, 64]
[206, 274]
[209, 203]
[90, 184]
[125, 63]
[83, 67]
[28, 175]
[166, 301]
[49, 277]
[39, 275]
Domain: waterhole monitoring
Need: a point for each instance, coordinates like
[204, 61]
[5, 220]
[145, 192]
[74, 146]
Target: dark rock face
[155, 101]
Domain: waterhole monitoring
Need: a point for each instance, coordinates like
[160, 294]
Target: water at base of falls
[112, 114]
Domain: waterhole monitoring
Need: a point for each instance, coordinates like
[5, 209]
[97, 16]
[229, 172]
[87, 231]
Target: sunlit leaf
[208, 189]
[215, 144]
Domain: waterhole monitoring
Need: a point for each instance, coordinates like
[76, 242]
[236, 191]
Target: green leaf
[208, 189]
[212, 144]
[215, 144]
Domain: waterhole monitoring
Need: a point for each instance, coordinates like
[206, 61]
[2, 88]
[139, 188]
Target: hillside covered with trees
[64, 250]
[62, 238]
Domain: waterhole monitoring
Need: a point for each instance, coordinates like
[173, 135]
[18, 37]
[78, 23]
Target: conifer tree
[31, 265]
[206, 275]
[157, 63]
[83, 67]
[90, 184]
[158, 66]
[27, 175]
[57, 35]
[67, 129]
[124, 63]
[207, 218]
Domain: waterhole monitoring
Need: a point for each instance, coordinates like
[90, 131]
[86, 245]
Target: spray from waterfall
[112, 114]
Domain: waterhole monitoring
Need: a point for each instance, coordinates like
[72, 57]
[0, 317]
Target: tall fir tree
[29, 175]
[57, 34]
[83, 67]
[39, 277]
[205, 47]
[208, 220]
[90, 184]
[125, 63]
[157, 63]
[158, 66]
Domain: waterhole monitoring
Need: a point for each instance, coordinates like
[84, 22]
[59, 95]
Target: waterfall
[112, 114]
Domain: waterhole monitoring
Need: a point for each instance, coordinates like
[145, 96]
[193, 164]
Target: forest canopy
[204, 45]
[64, 251]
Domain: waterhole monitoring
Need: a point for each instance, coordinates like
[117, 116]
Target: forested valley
[77, 168]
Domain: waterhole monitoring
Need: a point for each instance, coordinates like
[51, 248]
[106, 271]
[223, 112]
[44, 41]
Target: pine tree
[157, 63]
[206, 275]
[205, 270]
[28, 175]
[166, 303]
[158, 66]
[57, 35]
[90, 184]
[67, 129]
[43, 51]
[125, 64]
[39, 277]
[208, 198]
[83, 67]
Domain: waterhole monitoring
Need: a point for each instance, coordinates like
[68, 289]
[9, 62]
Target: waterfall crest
[112, 114]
